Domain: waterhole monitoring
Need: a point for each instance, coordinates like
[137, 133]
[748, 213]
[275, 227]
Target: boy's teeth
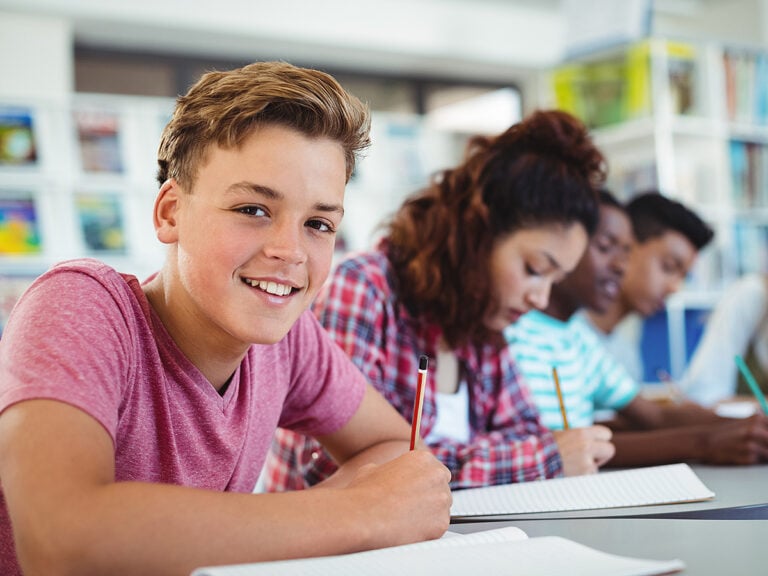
[271, 287]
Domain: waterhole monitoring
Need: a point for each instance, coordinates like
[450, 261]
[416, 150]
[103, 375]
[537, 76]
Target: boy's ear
[167, 205]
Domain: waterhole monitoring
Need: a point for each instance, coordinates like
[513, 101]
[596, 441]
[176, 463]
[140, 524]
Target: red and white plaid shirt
[508, 442]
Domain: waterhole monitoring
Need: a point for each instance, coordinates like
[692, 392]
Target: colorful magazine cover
[19, 225]
[17, 137]
[101, 222]
[98, 134]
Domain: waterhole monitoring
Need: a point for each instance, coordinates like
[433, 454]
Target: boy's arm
[643, 414]
[70, 516]
[730, 442]
[375, 434]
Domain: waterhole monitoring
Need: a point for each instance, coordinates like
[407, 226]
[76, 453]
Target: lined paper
[506, 534]
[673, 483]
[463, 555]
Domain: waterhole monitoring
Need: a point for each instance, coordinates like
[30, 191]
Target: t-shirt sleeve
[67, 340]
[326, 387]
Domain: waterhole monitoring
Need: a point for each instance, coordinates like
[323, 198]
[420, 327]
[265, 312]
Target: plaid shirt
[508, 442]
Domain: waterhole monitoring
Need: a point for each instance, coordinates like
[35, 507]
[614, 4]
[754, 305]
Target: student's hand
[737, 442]
[584, 450]
[407, 499]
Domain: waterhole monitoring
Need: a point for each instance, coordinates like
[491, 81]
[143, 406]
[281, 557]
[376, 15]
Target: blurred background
[675, 92]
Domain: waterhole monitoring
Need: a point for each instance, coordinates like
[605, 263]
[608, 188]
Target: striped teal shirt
[590, 378]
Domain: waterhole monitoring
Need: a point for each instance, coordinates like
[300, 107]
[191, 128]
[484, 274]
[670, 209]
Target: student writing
[667, 238]
[136, 416]
[592, 379]
[460, 260]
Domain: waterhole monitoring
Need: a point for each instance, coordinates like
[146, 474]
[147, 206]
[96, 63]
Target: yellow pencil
[560, 398]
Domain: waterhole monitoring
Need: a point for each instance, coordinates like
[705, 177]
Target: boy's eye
[252, 210]
[604, 246]
[670, 267]
[320, 226]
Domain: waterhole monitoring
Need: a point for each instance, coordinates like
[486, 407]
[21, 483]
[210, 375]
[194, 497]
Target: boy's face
[596, 280]
[656, 269]
[254, 239]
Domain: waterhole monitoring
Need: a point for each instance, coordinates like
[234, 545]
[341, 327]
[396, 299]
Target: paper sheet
[636, 487]
[546, 556]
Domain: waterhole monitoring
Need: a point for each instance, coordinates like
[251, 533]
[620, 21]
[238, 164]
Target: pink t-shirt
[86, 335]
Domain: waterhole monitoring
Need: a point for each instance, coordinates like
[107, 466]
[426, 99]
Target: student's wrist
[701, 442]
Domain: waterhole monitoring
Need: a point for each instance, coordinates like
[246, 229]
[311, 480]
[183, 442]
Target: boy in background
[590, 378]
[461, 259]
[668, 237]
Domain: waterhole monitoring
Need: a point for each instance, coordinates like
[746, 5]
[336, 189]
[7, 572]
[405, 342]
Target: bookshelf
[691, 120]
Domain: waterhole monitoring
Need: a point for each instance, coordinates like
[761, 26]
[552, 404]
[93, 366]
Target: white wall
[35, 56]
[485, 39]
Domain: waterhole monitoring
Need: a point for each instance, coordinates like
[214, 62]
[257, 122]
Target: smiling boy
[136, 416]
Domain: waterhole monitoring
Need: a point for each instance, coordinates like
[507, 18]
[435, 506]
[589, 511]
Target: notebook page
[449, 540]
[546, 556]
[637, 487]
[452, 539]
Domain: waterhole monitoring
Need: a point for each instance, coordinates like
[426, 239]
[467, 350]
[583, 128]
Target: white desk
[708, 547]
[741, 492]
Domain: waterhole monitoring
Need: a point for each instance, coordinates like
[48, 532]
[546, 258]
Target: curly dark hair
[543, 170]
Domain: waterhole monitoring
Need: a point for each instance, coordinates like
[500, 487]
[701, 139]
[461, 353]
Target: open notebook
[499, 552]
[668, 484]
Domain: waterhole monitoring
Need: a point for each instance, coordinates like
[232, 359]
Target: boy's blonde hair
[223, 108]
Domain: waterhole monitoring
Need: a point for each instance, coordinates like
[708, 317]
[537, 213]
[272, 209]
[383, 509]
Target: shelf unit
[689, 119]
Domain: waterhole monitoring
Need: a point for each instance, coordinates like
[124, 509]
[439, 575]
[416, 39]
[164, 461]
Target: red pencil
[419, 402]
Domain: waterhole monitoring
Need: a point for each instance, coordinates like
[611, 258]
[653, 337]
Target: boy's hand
[407, 499]
[737, 442]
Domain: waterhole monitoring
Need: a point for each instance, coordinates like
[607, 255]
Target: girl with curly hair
[460, 261]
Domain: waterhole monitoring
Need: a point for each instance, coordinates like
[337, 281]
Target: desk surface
[708, 547]
[741, 492]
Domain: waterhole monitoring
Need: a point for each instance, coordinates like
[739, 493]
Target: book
[617, 87]
[750, 247]
[639, 101]
[101, 222]
[19, 225]
[98, 133]
[17, 137]
[505, 551]
[673, 483]
[682, 72]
